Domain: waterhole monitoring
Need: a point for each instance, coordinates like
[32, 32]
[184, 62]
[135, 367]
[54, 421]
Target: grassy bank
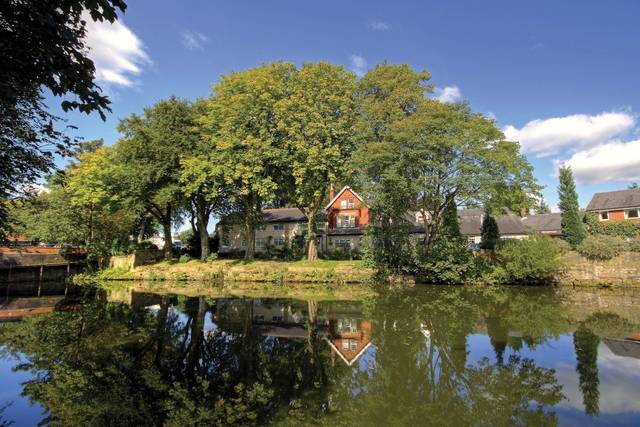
[232, 271]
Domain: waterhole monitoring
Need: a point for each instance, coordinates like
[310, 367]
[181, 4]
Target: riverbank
[240, 271]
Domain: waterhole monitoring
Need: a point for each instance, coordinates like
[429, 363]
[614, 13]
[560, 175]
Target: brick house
[347, 216]
[622, 205]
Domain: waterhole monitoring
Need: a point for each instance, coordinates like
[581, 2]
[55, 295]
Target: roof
[470, 221]
[544, 222]
[283, 215]
[624, 348]
[615, 199]
[511, 224]
[345, 188]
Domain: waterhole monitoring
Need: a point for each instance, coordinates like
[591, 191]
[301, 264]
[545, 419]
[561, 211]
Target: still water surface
[426, 356]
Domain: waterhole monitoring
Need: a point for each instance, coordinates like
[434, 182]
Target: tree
[573, 230]
[386, 94]
[240, 121]
[448, 154]
[633, 186]
[43, 47]
[317, 120]
[541, 207]
[490, 232]
[148, 161]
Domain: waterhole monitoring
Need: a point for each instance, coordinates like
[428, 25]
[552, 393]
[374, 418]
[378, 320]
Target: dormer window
[343, 204]
[351, 204]
[604, 216]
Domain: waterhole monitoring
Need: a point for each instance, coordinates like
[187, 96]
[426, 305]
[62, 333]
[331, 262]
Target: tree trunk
[312, 249]
[250, 236]
[166, 228]
[202, 220]
[143, 226]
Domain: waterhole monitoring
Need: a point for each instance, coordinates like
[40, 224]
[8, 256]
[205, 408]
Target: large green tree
[573, 230]
[317, 120]
[241, 122]
[43, 47]
[148, 161]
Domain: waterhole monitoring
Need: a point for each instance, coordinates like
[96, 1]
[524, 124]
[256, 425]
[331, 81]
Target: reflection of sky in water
[21, 412]
[619, 380]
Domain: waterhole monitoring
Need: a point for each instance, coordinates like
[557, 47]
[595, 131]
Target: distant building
[549, 223]
[616, 205]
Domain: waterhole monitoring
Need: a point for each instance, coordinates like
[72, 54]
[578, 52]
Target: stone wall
[127, 262]
[622, 270]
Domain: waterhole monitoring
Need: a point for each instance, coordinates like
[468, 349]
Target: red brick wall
[360, 211]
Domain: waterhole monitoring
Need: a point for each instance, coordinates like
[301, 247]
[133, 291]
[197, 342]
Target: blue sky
[560, 77]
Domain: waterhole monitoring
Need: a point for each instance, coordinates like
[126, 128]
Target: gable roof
[470, 221]
[615, 199]
[544, 222]
[345, 188]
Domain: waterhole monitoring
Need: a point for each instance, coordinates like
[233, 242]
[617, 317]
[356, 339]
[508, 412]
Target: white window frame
[340, 221]
[278, 241]
[636, 210]
[351, 203]
[278, 227]
[261, 243]
[602, 218]
[343, 204]
[261, 227]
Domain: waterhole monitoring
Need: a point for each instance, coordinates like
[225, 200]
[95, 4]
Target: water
[426, 356]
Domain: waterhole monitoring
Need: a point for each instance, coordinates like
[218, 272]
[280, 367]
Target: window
[244, 243]
[303, 225]
[351, 203]
[260, 243]
[345, 344]
[276, 318]
[346, 221]
[278, 241]
[354, 344]
[343, 204]
[604, 216]
[632, 213]
[261, 227]
[278, 227]
[330, 241]
[343, 243]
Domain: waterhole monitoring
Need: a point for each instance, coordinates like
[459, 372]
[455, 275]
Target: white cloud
[448, 94]
[194, 41]
[379, 26]
[358, 64]
[117, 53]
[610, 161]
[545, 137]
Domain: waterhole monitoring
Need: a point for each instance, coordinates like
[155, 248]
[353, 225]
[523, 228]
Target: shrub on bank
[535, 260]
[625, 229]
[602, 247]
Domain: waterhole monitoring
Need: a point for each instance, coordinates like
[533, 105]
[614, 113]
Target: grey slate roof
[624, 348]
[615, 200]
[351, 231]
[550, 222]
[283, 215]
[470, 221]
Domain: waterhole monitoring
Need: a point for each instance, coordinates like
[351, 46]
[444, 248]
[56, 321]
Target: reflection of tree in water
[420, 378]
[113, 364]
[3, 422]
[586, 348]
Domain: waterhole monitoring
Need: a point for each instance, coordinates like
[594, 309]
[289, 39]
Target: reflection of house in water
[24, 300]
[624, 347]
[349, 337]
[340, 324]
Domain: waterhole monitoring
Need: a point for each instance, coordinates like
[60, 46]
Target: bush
[634, 245]
[627, 229]
[184, 258]
[535, 260]
[602, 247]
[448, 262]
[212, 257]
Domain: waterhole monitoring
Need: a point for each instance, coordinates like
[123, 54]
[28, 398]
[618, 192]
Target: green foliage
[212, 257]
[602, 247]
[541, 207]
[44, 50]
[490, 233]
[627, 229]
[573, 230]
[534, 260]
[184, 259]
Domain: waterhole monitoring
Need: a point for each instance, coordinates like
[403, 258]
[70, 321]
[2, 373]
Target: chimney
[523, 212]
[332, 192]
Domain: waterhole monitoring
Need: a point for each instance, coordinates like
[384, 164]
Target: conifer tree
[490, 233]
[573, 230]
